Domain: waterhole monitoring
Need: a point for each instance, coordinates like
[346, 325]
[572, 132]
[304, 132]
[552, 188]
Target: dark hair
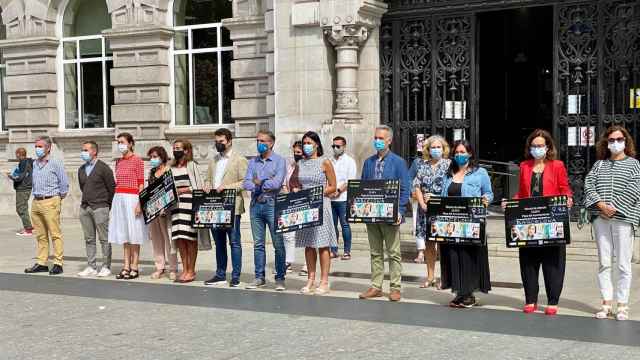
[269, 133]
[93, 144]
[187, 148]
[127, 137]
[316, 139]
[223, 132]
[340, 138]
[297, 144]
[161, 152]
[602, 147]
[473, 162]
[552, 153]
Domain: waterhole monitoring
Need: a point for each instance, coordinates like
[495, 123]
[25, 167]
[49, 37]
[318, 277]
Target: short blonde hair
[426, 155]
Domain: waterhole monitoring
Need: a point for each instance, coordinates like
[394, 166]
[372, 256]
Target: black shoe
[56, 270]
[456, 302]
[36, 268]
[216, 280]
[469, 301]
[235, 283]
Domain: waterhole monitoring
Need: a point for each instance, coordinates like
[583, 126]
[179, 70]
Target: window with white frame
[86, 65]
[202, 54]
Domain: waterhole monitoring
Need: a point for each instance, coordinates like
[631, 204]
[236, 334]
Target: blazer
[233, 176]
[204, 235]
[554, 179]
[476, 183]
[395, 168]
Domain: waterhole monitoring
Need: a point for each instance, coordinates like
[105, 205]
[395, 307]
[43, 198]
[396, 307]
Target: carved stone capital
[347, 35]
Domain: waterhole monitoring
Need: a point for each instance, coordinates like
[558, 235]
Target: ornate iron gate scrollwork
[597, 77]
[427, 78]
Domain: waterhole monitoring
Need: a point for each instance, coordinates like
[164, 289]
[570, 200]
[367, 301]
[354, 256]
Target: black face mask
[178, 154]
[221, 147]
[298, 157]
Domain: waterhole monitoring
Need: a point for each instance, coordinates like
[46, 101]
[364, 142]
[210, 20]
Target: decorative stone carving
[28, 18]
[126, 13]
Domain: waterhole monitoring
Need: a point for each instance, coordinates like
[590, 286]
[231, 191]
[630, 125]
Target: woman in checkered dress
[314, 171]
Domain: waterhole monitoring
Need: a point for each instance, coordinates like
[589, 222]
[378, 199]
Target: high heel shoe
[529, 308]
[551, 310]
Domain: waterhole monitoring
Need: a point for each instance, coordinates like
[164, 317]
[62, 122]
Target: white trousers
[614, 238]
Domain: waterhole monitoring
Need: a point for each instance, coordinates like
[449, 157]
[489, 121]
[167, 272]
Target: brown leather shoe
[394, 295]
[371, 293]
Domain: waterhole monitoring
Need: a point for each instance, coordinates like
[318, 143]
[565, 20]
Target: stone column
[249, 66]
[141, 75]
[347, 41]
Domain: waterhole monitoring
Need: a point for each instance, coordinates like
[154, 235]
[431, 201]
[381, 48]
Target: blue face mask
[262, 148]
[538, 153]
[40, 152]
[461, 159]
[85, 156]
[378, 144]
[435, 153]
[307, 149]
[155, 162]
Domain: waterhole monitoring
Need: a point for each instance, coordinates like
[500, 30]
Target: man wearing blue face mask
[50, 186]
[98, 186]
[265, 175]
[388, 166]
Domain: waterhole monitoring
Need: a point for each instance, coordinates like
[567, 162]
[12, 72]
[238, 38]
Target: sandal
[323, 290]
[346, 257]
[157, 274]
[622, 313]
[604, 312]
[133, 274]
[124, 273]
[428, 284]
[307, 290]
[420, 258]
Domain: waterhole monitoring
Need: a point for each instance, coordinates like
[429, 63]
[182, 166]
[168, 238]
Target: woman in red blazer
[542, 175]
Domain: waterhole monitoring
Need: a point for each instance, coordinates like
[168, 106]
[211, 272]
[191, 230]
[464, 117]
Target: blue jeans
[339, 210]
[220, 239]
[262, 215]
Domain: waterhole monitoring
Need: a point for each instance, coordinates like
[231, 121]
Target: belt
[44, 197]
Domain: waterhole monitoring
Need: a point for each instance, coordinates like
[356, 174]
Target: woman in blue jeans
[465, 268]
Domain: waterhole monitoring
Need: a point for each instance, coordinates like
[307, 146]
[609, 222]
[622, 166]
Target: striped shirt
[49, 178]
[616, 183]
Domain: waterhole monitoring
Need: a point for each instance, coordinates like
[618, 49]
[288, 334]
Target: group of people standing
[111, 211]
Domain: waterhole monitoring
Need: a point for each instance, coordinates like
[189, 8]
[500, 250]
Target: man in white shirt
[345, 168]
[226, 171]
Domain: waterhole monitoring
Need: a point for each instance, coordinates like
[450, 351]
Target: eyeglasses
[619, 140]
[336, 146]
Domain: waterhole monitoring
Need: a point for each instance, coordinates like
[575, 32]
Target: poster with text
[538, 221]
[214, 209]
[299, 210]
[456, 220]
[158, 196]
[373, 201]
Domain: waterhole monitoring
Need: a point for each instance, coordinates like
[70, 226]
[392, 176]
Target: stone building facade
[169, 69]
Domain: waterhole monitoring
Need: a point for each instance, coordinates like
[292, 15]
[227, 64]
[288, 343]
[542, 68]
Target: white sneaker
[89, 271]
[104, 272]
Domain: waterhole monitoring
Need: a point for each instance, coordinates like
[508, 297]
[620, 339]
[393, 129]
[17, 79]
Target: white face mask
[123, 148]
[616, 147]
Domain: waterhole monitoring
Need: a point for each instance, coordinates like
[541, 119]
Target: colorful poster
[159, 196]
[539, 221]
[373, 201]
[299, 210]
[214, 209]
[456, 220]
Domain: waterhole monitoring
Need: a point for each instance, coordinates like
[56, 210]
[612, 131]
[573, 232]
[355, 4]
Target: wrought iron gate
[428, 72]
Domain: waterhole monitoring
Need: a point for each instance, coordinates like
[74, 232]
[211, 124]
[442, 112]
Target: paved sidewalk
[580, 296]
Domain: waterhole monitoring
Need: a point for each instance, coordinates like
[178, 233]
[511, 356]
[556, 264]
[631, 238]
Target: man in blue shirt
[264, 178]
[385, 165]
[50, 186]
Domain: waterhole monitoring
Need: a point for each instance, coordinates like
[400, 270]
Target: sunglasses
[619, 140]
[336, 146]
